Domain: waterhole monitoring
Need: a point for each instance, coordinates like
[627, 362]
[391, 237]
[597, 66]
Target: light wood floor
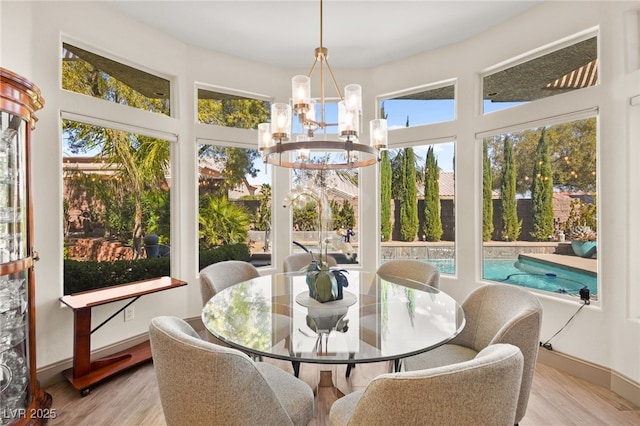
[132, 399]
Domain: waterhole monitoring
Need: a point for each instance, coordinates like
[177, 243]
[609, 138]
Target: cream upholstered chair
[218, 276]
[202, 383]
[414, 270]
[481, 391]
[494, 313]
[295, 262]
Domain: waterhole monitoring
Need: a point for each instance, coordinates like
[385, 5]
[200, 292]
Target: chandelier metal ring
[346, 146]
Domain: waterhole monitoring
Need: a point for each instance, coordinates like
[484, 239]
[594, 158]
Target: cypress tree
[409, 202]
[385, 196]
[510, 224]
[348, 215]
[432, 222]
[487, 194]
[542, 193]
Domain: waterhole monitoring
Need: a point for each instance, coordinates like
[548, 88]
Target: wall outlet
[128, 314]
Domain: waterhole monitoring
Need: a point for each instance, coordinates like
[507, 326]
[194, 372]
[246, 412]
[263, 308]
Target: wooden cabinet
[21, 399]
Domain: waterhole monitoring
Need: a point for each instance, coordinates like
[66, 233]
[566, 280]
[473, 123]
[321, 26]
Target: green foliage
[397, 175]
[347, 216]
[229, 252]
[511, 225]
[342, 215]
[306, 218]
[137, 166]
[432, 222]
[572, 155]
[487, 194]
[222, 222]
[542, 193]
[262, 219]
[241, 113]
[582, 223]
[409, 202]
[135, 199]
[385, 196]
[89, 275]
[236, 164]
[582, 233]
[336, 215]
[81, 77]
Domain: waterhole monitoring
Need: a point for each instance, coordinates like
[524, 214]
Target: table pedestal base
[326, 381]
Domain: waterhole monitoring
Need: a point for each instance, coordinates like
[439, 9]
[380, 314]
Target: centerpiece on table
[325, 283]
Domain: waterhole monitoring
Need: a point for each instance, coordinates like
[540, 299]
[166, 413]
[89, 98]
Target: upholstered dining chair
[218, 276]
[481, 391]
[202, 383]
[295, 262]
[494, 313]
[412, 269]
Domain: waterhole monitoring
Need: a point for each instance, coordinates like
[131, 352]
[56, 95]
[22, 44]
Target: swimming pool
[530, 273]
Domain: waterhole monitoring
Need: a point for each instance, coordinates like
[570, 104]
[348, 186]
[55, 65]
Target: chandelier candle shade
[343, 152]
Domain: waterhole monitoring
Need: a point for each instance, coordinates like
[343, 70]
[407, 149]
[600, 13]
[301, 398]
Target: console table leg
[81, 342]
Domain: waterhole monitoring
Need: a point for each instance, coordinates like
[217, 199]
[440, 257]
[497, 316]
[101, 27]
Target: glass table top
[380, 318]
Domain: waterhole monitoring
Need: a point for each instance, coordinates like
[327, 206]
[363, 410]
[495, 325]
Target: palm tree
[222, 222]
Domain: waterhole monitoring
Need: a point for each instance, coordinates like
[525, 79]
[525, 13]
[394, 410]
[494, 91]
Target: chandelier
[341, 151]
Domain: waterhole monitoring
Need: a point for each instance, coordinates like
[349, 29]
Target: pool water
[531, 274]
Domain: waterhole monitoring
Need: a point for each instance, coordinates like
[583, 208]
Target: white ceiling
[358, 33]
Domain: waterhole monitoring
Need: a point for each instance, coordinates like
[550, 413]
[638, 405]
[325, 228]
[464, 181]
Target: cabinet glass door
[14, 327]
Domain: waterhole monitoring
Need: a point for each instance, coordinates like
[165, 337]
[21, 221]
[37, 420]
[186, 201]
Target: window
[325, 210]
[228, 110]
[417, 109]
[90, 74]
[116, 206]
[234, 185]
[234, 204]
[418, 204]
[539, 207]
[571, 68]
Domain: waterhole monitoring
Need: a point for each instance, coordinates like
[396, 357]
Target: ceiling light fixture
[275, 138]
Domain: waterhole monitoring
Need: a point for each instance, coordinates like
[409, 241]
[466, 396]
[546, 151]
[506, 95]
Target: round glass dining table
[380, 318]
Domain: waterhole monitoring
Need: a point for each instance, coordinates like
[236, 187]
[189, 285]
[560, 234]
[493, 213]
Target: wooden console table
[86, 373]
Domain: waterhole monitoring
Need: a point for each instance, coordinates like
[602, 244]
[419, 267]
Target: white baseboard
[592, 373]
[52, 373]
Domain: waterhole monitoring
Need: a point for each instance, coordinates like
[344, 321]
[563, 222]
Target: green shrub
[90, 275]
[228, 252]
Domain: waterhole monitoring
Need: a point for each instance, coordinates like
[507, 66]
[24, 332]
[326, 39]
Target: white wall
[606, 333]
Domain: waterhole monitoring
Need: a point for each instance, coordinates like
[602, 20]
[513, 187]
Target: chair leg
[397, 365]
[349, 367]
[296, 368]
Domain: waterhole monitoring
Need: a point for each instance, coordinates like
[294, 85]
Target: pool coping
[589, 266]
